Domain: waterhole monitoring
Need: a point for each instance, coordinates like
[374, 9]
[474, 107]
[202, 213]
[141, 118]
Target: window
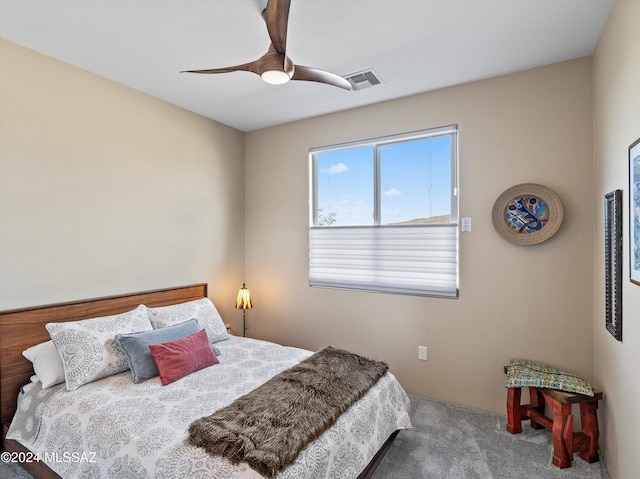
[384, 214]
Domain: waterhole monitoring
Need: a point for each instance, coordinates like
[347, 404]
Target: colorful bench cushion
[524, 373]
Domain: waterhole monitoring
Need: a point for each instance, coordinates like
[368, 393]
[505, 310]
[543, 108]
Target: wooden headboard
[23, 328]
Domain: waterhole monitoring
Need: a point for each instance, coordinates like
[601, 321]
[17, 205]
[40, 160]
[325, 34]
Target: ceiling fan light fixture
[275, 77]
[275, 67]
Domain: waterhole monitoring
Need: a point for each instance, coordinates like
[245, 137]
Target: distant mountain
[433, 220]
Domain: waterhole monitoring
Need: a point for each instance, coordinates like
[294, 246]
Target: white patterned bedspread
[130, 431]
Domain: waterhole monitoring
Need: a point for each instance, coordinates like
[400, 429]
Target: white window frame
[404, 259]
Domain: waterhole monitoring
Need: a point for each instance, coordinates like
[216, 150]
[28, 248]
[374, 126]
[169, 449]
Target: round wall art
[527, 214]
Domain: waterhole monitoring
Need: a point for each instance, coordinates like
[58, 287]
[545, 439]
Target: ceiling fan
[275, 66]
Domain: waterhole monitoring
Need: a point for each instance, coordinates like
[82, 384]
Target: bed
[153, 441]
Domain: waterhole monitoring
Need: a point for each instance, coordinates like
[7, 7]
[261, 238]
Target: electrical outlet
[422, 353]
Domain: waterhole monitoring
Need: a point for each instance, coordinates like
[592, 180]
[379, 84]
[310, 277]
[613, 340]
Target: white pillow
[88, 349]
[201, 309]
[47, 363]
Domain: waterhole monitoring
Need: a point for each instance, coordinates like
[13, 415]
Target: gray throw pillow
[136, 347]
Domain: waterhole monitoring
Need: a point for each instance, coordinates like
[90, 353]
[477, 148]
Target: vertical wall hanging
[613, 262]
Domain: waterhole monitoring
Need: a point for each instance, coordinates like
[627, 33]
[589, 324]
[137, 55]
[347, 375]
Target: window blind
[418, 259]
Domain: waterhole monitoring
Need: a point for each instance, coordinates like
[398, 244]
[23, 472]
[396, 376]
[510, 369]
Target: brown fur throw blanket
[268, 427]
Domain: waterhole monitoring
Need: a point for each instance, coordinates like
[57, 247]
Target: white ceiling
[413, 45]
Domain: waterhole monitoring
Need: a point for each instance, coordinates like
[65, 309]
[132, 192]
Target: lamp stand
[244, 322]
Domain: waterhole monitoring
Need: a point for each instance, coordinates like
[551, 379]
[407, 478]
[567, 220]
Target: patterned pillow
[88, 349]
[201, 309]
[523, 373]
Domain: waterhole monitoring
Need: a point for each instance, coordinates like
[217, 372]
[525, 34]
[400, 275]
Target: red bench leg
[537, 403]
[589, 418]
[514, 412]
[561, 412]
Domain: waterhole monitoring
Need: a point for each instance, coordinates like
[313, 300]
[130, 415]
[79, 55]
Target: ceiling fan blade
[246, 67]
[322, 76]
[275, 66]
[276, 16]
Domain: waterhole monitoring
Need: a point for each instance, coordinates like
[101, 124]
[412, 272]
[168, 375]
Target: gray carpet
[455, 442]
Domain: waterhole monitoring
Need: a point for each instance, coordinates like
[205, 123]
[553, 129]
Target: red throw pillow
[179, 358]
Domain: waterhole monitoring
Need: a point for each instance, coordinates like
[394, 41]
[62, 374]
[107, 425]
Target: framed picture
[634, 212]
[613, 262]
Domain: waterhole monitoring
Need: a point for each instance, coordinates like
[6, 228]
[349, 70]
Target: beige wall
[617, 125]
[105, 190]
[515, 301]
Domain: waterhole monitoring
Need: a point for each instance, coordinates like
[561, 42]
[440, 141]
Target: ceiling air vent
[362, 80]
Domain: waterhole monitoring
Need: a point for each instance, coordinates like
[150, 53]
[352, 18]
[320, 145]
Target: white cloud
[337, 168]
[392, 192]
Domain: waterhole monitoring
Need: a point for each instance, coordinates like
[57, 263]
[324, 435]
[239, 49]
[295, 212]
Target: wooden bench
[565, 441]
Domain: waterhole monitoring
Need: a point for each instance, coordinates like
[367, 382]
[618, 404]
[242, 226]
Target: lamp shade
[244, 298]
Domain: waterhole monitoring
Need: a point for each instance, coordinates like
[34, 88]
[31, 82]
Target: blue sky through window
[415, 182]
